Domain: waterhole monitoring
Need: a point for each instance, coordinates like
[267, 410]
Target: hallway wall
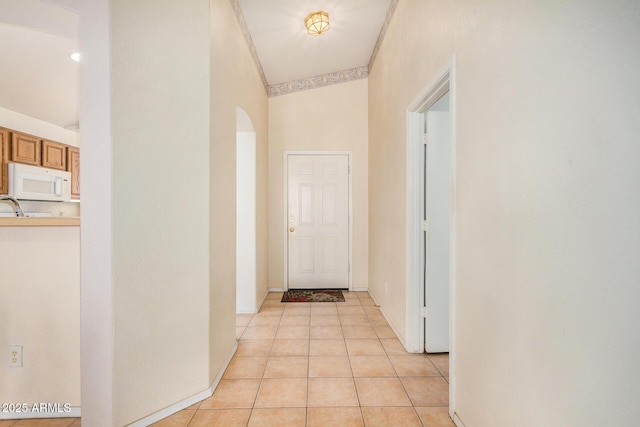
[234, 82]
[547, 198]
[145, 216]
[158, 265]
[331, 118]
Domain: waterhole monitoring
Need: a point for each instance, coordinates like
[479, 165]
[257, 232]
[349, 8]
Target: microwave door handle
[57, 186]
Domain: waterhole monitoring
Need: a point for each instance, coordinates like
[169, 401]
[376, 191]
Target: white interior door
[318, 221]
[437, 200]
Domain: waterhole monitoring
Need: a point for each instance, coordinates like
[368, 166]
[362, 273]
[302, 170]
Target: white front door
[318, 221]
[437, 200]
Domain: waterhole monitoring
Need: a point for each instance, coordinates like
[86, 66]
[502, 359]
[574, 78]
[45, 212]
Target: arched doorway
[245, 214]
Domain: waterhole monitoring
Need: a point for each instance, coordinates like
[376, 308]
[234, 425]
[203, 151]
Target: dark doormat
[313, 295]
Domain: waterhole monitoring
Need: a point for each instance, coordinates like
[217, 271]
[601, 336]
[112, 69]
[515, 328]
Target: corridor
[323, 364]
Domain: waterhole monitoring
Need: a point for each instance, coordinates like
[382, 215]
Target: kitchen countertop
[58, 221]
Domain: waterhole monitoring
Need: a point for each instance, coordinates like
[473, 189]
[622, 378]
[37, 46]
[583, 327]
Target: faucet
[16, 204]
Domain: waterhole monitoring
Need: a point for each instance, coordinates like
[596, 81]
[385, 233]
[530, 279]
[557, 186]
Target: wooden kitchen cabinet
[4, 161]
[54, 155]
[25, 149]
[73, 166]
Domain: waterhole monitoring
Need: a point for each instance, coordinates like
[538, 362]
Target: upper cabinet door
[25, 149]
[54, 155]
[73, 162]
[4, 161]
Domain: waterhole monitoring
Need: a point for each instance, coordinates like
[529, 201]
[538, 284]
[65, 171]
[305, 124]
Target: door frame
[443, 82]
[285, 204]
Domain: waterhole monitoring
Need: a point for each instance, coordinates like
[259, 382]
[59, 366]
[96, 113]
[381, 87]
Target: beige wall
[20, 122]
[40, 310]
[333, 118]
[547, 201]
[158, 266]
[160, 126]
[235, 82]
[145, 272]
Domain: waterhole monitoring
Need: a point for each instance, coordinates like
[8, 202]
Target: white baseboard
[457, 421]
[400, 336]
[264, 297]
[179, 406]
[253, 310]
[352, 290]
[374, 299]
[60, 411]
[246, 311]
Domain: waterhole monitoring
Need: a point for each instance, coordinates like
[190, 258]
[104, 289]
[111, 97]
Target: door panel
[306, 256]
[307, 212]
[437, 199]
[318, 221]
[331, 249]
[330, 202]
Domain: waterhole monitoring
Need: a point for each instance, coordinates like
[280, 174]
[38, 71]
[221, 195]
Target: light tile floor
[317, 364]
[323, 364]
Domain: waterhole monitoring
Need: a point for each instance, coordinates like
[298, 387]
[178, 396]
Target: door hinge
[425, 225]
[425, 138]
[424, 312]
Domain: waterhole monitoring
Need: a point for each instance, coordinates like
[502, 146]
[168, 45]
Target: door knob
[292, 229]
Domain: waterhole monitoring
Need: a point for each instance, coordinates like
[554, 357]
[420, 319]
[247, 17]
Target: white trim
[285, 209]
[443, 82]
[264, 297]
[74, 412]
[257, 309]
[355, 289]
[415, 292]
[179, 406]
[400, 337]
[456, 420]
[275, 290]
[415, 199]
[452, 240]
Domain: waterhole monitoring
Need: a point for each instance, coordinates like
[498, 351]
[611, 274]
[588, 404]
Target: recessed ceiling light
[75, 56]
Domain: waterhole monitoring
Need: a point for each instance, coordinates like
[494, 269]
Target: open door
[436, 209]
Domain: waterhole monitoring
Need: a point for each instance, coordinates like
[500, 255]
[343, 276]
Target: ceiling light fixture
[317, 23]
[75, 56]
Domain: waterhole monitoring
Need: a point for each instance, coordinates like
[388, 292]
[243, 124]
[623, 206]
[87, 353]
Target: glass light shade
[317, 23]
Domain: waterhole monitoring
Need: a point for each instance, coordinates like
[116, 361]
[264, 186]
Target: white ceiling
[38, 77]
[288, 53]
[36, 37]
[41, 80]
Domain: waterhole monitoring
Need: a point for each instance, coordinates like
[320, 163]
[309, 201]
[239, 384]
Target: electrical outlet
[15, 356]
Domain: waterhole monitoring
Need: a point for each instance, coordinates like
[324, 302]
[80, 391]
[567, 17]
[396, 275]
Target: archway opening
[246, 301]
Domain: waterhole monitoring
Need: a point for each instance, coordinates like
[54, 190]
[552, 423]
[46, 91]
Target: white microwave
[36, 183]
